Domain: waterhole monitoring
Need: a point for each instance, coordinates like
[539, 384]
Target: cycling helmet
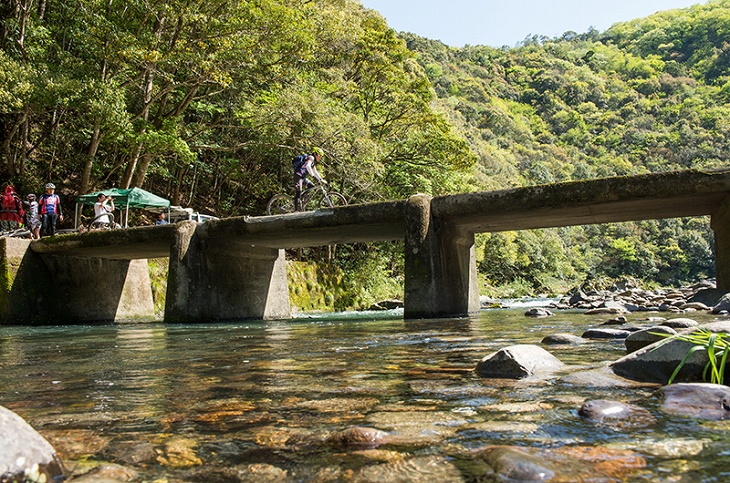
[317, 151]
[31, 197]
[51, 186]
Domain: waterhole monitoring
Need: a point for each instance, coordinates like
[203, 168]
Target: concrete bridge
[235, 268]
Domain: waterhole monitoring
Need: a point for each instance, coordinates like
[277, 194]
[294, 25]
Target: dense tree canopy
[207, 102]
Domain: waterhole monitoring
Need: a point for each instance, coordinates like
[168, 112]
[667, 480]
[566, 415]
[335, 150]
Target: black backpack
[298, 162]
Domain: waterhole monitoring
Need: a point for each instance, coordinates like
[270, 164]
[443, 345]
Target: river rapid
[257, 401]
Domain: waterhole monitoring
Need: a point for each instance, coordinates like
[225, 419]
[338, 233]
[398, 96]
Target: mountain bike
[314, 197]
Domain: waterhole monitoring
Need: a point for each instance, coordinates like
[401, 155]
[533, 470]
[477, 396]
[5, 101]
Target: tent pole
[126, 216]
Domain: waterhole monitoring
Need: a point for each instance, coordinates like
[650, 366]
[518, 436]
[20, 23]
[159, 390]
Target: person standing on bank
[103, 206]
[305, 166]
[50, 205]
[33, 217]
[12, 214]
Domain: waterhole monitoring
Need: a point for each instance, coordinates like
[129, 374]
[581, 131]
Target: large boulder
[25, 454]
[518, 361]
[642, 338]
[707, 296]
[657, 362]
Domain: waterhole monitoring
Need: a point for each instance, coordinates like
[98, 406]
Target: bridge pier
[212, 280]
[440, 265]
[47, 289]
[720, 223]
[99, 289]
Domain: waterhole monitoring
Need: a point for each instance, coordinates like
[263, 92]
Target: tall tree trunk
[141, 171]
[90, 155]
[131, 165]
[134, 160]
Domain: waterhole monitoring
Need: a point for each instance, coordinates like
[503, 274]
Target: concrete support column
[720, 223]
[217, 280]
[98, 290]
[50, 289]
[440, 265]
[25, 285]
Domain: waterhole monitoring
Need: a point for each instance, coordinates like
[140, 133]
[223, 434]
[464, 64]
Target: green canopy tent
[124, 199]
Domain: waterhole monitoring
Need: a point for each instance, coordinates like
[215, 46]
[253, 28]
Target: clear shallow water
[255, 401]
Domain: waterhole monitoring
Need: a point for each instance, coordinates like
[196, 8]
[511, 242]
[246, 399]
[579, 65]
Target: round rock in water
[538, 312]
[25, 454]
[563, 339]
[698, 400]
[606, 334]
[616, 414]
[518, 361]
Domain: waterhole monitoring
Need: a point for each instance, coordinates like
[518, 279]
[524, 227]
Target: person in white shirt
[103, 206]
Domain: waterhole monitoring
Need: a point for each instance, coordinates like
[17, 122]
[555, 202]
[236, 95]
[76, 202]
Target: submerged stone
[513, 464]
[616, 414]
[421, 469]
[698, 400]
[357, 438]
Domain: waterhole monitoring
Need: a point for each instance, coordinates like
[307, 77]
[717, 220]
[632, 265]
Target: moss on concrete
[314, 287]
[158, 278]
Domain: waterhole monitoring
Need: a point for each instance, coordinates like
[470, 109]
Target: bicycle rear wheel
[333, 200]
[279, 205]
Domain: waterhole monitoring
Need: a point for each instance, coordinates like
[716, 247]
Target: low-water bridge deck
[234, 268]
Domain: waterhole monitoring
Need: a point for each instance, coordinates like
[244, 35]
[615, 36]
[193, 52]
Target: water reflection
[225, 402]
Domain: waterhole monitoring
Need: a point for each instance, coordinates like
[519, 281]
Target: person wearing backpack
[50, 205]
[304, 166]
[33, 217]
[12, 213]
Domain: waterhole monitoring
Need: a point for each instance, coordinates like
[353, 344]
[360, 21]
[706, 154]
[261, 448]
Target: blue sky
[506, 22]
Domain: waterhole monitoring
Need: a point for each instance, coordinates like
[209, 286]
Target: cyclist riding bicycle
[305, 166]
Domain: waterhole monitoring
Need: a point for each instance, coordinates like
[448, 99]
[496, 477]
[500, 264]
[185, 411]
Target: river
[256, 401]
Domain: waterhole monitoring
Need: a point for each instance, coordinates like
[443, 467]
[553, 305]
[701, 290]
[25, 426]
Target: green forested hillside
[207, 102]
[645, 96]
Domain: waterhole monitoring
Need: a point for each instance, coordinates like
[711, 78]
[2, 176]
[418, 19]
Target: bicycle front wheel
[333, 200]
[279, 205]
